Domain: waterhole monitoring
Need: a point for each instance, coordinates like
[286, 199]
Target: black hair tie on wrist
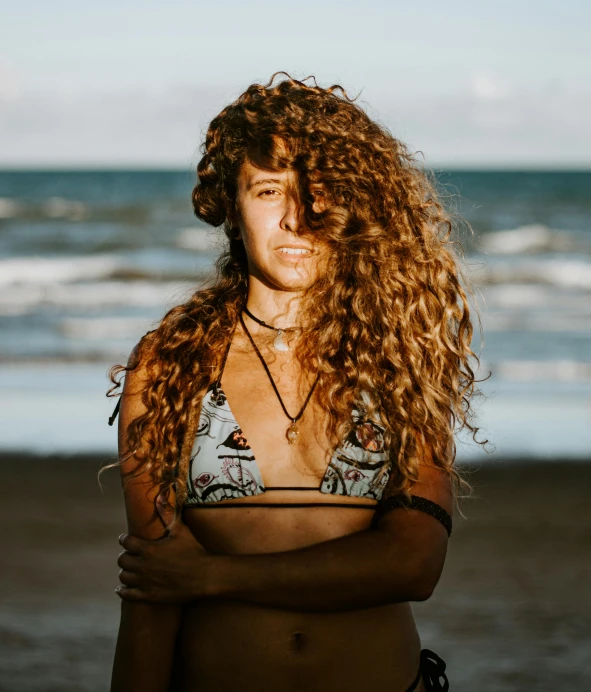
[414, 502]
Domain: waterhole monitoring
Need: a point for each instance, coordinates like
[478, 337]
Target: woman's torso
[229, 645]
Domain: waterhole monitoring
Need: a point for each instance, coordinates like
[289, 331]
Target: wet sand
[511, 613]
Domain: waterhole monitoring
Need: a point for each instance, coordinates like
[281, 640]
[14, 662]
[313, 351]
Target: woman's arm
[147, 632]
[400, 561]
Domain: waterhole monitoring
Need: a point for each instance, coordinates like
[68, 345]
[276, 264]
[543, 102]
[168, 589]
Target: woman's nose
[291, 216]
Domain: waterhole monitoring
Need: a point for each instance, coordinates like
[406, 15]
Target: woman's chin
[291, 285]
[292, 281]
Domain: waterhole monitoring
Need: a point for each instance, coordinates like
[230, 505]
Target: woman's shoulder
[137, 376]
[142, 357]
[135, 359]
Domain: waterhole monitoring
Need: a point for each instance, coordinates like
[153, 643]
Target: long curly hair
[388, 316]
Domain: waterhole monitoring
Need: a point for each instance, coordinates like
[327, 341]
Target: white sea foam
[199, 239]
[105, 327]
[538, 371]
[511, 296]
[52, 208]
[9, 208]
[564, 322]
[565, 272]
[528, 239]
[21, 299]
[41, 270]
[60, 208]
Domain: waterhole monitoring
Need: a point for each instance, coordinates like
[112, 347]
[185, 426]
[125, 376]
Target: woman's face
[269, 221]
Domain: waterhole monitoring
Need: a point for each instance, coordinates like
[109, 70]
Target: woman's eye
[266, 192]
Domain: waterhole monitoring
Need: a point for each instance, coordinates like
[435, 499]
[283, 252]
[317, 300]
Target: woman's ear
[232, 225]
[232, 231]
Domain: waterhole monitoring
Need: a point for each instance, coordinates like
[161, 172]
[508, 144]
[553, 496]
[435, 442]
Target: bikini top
[223, 466]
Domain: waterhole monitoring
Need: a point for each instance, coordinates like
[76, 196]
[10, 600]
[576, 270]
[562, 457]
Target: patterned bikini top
[223, 467]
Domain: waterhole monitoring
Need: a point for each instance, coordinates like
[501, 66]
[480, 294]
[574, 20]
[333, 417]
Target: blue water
[90, 260]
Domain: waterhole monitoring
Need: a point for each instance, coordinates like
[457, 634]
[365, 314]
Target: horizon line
[162, 168]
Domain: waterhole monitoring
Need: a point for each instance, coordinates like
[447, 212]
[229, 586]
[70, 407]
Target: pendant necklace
[278, 342]
[293, 431]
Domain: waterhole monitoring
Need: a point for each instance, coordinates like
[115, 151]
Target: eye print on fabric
[235, 440]
[367, 436]
[204, 479]
[236, 474]
[354, 475]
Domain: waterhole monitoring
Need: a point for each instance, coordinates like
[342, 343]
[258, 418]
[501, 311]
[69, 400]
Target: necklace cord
[260, 355]
[268, 326]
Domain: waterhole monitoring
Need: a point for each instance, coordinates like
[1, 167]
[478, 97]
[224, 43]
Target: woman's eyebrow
[266, 181]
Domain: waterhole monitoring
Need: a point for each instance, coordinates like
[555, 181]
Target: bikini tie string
[433, 671]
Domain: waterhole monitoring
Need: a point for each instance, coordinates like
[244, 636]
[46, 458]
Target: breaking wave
[531, 239]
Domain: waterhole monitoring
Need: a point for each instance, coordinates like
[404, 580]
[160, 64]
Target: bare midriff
[227, 645]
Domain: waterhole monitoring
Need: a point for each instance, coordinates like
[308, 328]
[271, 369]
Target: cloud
[484, 123]
[113, 128]
[488, 88]
[537, 126]
[10, 84]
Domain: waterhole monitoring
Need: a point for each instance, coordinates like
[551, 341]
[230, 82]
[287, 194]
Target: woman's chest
[286, 435]
[279, 416]
[243, 446]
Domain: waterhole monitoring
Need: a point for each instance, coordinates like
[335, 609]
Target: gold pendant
[292, 433]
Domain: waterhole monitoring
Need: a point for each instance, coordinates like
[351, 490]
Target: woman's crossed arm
[401, 560]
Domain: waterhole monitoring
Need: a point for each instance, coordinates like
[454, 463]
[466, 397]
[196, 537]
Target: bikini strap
[414, 502]
[115, 412]
[218, 382]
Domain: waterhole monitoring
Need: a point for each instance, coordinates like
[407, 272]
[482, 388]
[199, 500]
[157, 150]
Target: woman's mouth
[295, 251]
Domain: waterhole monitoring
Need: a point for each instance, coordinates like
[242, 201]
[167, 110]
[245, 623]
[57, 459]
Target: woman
[314, 385]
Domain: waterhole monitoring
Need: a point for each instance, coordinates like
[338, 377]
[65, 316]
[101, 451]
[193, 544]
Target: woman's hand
[173, 569]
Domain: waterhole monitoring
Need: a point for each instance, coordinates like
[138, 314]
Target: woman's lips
[295, 251]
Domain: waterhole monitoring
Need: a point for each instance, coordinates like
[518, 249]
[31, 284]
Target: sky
[134, 84]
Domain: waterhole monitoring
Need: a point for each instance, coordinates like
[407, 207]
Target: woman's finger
[128, 561]
[128, 578]
[132, 544]
[128, 593]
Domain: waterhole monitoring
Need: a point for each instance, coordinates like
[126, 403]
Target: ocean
[90, 260]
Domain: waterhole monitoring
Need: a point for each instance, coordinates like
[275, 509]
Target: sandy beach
[511, 613]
